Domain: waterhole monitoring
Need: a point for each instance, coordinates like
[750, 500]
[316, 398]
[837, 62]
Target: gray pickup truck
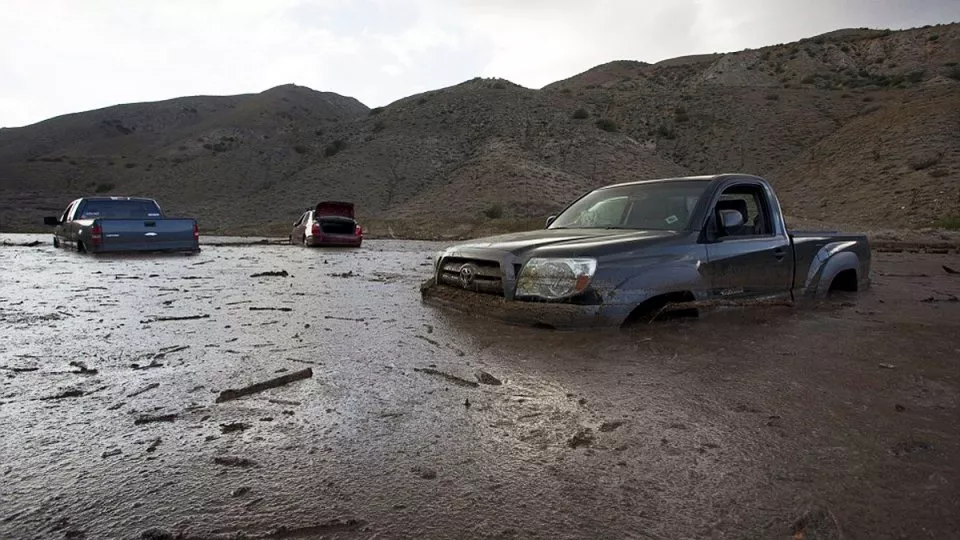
[625, 253]
[122, 224]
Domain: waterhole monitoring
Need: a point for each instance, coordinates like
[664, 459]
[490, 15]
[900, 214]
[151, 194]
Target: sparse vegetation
[495, 211]
[915, 76]
[954, 73]
[334, 148]
[421, 101]
[318, 133]
[934, 37]
[375, 111]
[580, 114]
[301, 148]
[608, 125]
[499, 85]
[130, 165]
[919, 163]
[379, 126]
[939, 173]
[104, 187]
[951, 222]
[772, 97]
[664, 132]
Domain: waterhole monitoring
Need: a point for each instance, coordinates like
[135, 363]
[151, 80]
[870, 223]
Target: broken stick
[229, 394]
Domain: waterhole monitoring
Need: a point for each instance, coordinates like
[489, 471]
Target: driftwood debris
[288, 378]
[146, 388]
[166, 319]
[148, 419]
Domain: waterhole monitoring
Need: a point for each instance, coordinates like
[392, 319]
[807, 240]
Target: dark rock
[234, 461]
[486, 378]
[233, 426]
[610, 426]
[156, 534]
[584, 437]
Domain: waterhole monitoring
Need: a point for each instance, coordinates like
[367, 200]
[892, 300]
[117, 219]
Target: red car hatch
[334, 208]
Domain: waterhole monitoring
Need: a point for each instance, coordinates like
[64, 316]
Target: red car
[331, 223]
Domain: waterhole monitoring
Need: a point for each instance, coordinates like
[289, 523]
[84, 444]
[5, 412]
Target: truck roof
[701, 178]
[117, 199]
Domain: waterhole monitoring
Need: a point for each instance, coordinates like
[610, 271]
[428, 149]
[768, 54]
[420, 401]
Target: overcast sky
[60, 56]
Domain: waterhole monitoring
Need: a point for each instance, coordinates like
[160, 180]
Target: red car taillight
[359, 231]
[196, 231]
[96, 234]
[316, 229]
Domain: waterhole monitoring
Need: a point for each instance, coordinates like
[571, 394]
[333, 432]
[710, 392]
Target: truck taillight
[316, 229]
[196, 231]
[96, 234]
[359, 231]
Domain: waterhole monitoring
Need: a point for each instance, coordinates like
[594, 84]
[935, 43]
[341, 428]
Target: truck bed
[818, 253]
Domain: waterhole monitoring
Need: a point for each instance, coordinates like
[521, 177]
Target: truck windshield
[654, 206]
[118, 209]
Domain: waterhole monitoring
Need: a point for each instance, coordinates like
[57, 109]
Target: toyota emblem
[467, 274]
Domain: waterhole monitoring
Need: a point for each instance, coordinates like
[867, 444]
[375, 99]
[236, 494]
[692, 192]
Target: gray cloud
[58, 57]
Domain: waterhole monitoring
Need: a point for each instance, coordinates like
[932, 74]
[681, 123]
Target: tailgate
[148, 234]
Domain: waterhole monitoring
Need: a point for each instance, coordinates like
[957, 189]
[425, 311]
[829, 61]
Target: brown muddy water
[829, 421]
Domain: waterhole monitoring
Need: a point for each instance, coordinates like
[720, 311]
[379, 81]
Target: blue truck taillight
[96, 234]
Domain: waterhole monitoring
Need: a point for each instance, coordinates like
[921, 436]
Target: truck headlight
[553, 279]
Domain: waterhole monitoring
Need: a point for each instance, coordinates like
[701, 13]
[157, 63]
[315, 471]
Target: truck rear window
[118, 210]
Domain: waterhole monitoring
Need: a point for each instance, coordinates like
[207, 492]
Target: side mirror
[51, 220]
[550, 220]
[731, 220]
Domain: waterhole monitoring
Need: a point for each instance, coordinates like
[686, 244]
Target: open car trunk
[337, 225]
[328, 209]
[335, 217]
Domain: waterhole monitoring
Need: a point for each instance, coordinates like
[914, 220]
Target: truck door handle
[779, 253]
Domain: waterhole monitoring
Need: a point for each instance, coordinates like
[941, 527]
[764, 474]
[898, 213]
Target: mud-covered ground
[789, 422]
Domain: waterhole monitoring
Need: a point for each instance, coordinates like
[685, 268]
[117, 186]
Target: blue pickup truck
[122, 224]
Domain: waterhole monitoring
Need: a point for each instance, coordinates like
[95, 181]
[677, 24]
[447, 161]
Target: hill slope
[855, 126]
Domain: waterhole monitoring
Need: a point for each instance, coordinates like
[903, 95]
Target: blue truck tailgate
[149, 235]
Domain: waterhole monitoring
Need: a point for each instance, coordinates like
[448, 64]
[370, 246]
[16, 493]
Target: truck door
[753, 260]
[68, 229]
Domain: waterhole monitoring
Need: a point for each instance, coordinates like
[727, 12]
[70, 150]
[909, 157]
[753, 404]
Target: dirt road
[817, 422]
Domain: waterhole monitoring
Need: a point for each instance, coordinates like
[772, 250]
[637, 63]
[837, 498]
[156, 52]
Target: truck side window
[751, 202]
[68, 211]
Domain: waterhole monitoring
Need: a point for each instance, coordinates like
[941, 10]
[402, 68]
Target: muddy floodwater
[839, 420]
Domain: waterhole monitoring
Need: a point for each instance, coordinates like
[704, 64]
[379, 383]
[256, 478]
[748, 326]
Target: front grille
[481, 275]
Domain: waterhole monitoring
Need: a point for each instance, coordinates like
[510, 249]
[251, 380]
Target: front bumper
[544, 314]
[334, 240]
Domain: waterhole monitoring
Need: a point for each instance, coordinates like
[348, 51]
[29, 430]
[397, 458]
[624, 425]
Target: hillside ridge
[855, 126]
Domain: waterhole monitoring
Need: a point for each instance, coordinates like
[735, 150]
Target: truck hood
[334, 208]
[576, 241]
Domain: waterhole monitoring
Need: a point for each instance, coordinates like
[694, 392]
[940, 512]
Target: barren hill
[855, 126]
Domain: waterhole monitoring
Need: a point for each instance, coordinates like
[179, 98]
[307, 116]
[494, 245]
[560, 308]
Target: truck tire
[80, 247]
[56, 242]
